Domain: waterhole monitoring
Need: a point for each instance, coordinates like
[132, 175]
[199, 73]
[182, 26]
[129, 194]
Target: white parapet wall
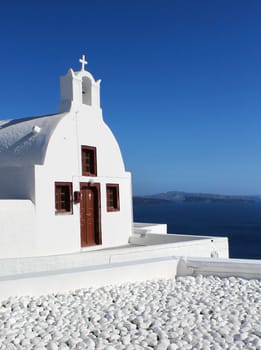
[96, 275]
[220, 267]
[149, 234]
[184, 245]
[64, 280]
[147, 256]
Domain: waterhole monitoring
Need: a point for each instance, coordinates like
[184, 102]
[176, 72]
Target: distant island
[148, 200]
[179, 196]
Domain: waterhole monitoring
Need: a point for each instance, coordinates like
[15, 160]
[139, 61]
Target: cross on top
[83, 61]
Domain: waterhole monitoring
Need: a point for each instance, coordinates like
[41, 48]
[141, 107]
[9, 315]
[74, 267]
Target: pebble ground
[184, 313]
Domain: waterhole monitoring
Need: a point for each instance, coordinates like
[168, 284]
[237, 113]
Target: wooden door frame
[97, 186]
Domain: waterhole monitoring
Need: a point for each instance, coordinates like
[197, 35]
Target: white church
[66, 218]
[63, 184]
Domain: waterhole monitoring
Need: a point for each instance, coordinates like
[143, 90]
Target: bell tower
[79, 89]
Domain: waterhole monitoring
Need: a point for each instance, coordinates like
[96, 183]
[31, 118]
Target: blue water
[240, 222]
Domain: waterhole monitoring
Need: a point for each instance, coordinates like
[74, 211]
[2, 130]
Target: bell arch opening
[86, 91]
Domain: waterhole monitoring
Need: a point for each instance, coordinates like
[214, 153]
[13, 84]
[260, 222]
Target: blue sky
[181, 82]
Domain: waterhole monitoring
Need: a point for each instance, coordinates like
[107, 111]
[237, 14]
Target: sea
[239, 221]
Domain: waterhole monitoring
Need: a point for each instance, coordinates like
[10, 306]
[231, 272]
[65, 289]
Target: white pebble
[52, 346]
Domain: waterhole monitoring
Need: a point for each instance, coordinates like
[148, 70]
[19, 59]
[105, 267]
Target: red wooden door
[89, 207]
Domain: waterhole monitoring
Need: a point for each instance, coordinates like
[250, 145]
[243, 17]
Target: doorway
[90, 214]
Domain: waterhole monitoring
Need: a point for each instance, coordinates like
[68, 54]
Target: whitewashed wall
[17, 228]
[17, 183]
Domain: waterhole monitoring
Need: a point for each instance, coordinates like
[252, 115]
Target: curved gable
[24, 142]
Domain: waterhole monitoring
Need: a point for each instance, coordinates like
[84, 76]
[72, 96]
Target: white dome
[23, 142]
